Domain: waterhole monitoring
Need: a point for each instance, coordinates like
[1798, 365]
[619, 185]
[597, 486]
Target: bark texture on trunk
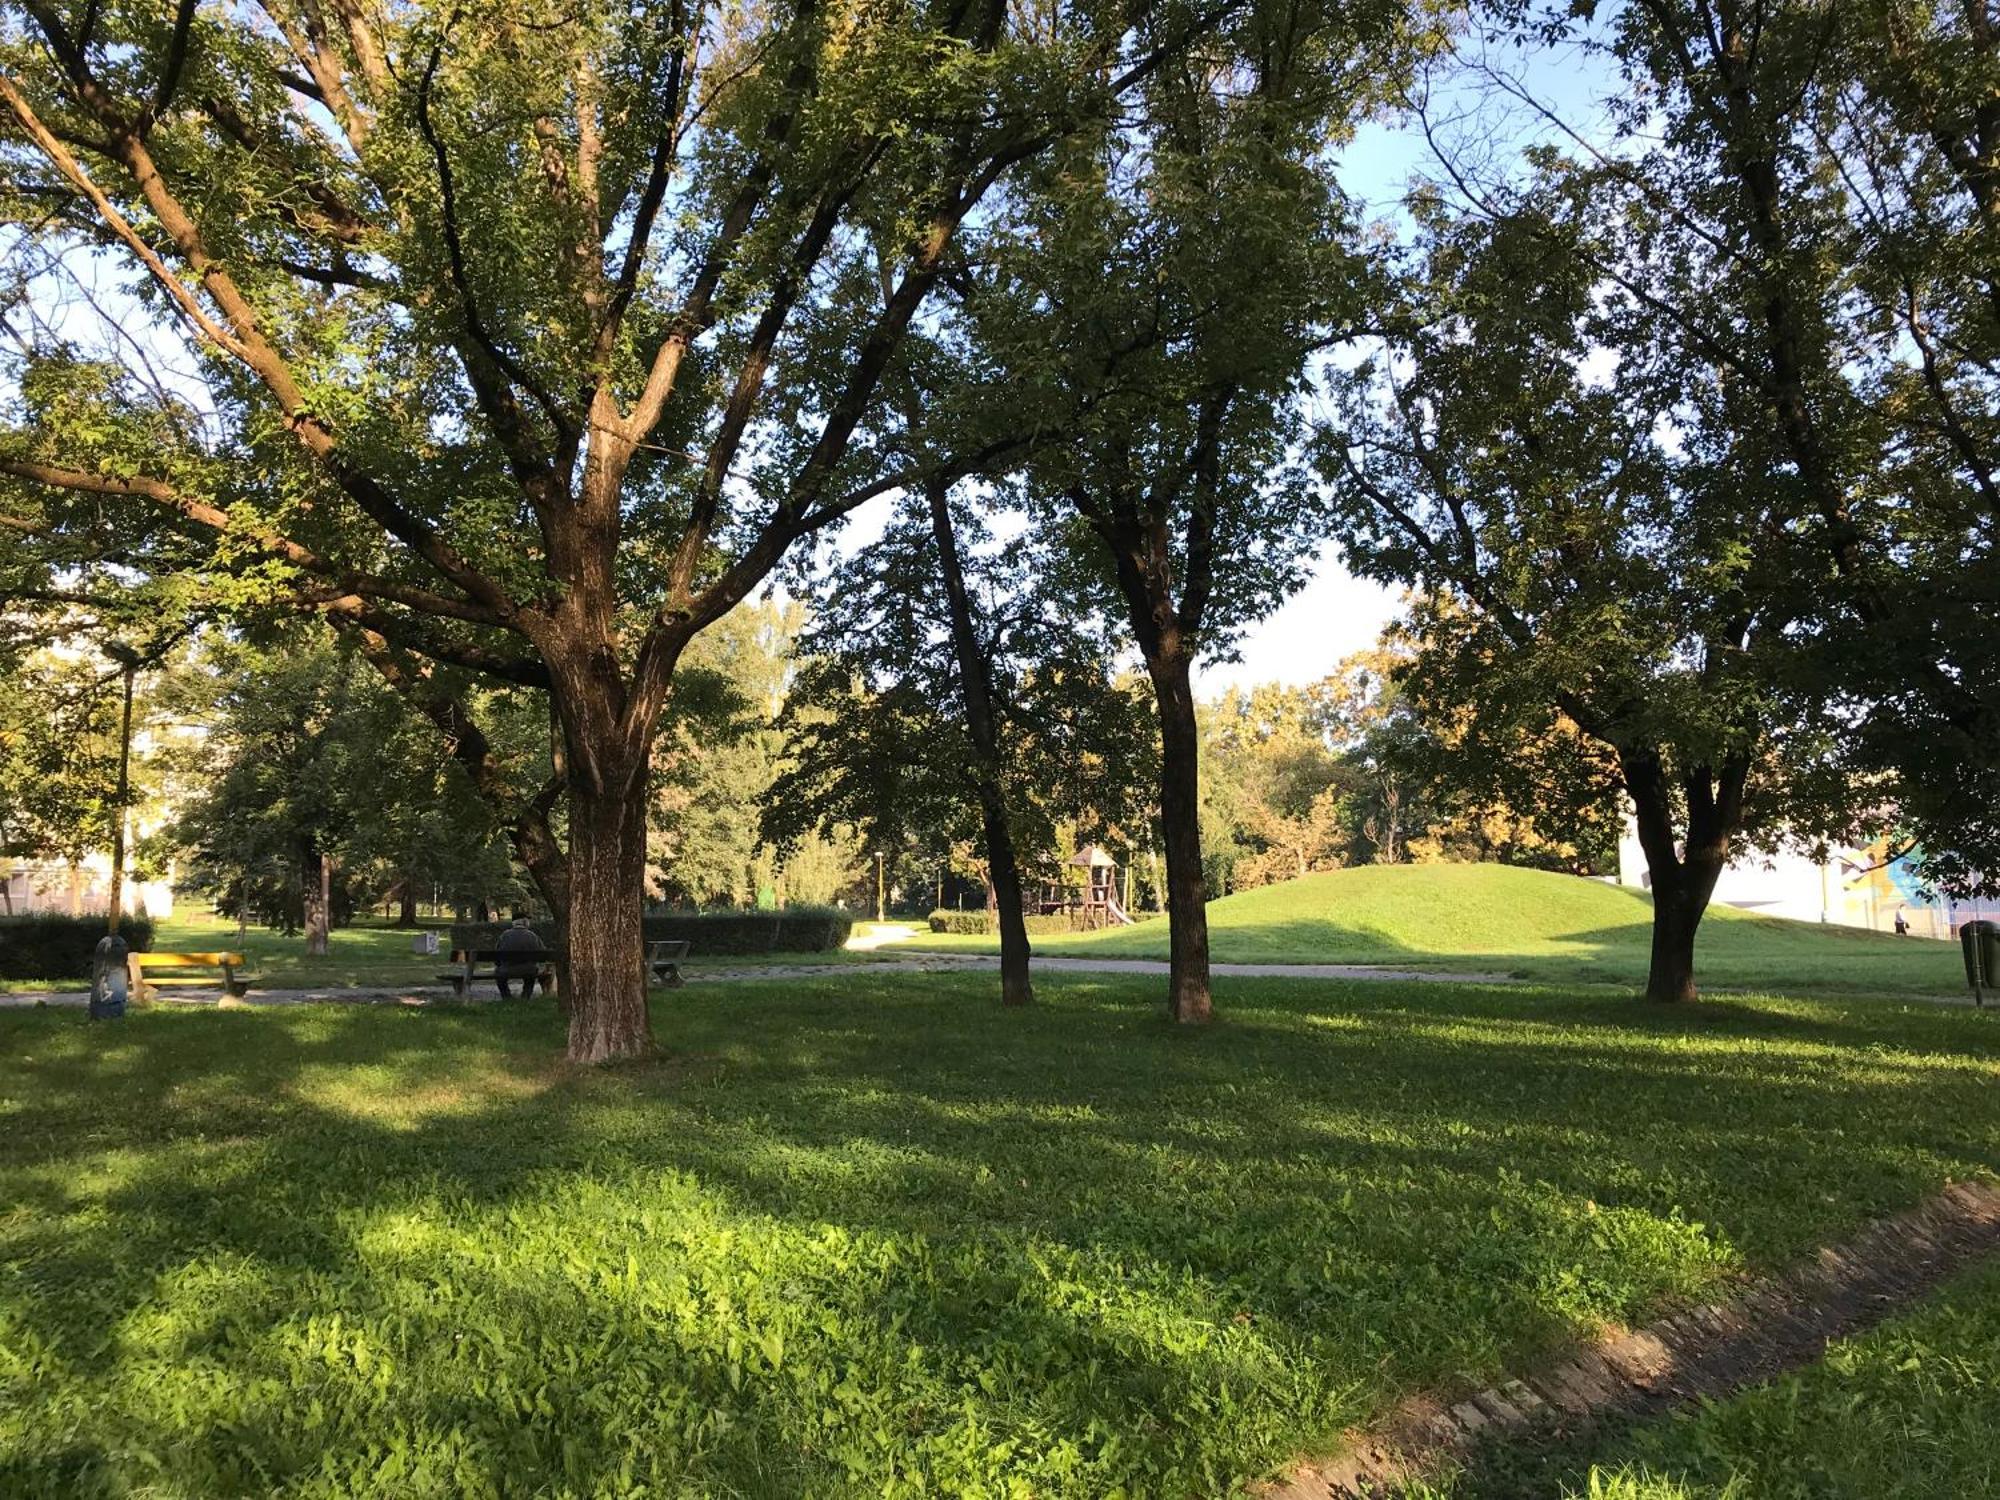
[1188, 997]
[1678, 907]
[406, 903]
[1016, 988]
[1683, 872]
[975, 686]
[316, 883]
[606, 975]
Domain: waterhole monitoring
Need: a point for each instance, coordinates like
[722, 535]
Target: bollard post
[1981, 944]
[107, 979]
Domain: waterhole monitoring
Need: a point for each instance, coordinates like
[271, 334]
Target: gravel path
[424, 994]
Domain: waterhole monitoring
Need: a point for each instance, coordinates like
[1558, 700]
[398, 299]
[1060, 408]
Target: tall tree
[525, 345]
[59, 723]
[1598, 533]
[951, 694]
[1158, 297]
[1818, 187]
[304, 762]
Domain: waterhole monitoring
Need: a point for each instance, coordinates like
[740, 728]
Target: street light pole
[879, 908]
[130, 663]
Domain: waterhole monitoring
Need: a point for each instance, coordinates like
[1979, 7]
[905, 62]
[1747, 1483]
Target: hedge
[792, 929]
[980, 923]
[45, 945]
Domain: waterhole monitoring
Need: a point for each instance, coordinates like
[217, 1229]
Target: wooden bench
[136, 965]
[468, 970]
[663, 961]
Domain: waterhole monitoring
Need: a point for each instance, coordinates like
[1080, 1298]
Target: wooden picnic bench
[663, 961]
[474, 964]
[136, 965]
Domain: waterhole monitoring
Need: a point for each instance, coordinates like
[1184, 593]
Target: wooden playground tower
[1095, 903]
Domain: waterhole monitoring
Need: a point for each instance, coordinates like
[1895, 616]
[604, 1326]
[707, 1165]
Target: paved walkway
[930, 963]
[1237, 971]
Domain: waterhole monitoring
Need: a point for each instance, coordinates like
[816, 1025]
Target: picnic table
[474, 964]
[177, 966]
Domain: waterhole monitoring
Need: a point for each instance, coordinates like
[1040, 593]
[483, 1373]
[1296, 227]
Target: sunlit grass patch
[1903, 1412]
[1556, 928]
[870, 1235]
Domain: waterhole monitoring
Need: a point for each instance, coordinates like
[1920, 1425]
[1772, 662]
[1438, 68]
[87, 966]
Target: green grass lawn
[872, 1236]
[1905, 1412]
[367, 954]
[1527, 922]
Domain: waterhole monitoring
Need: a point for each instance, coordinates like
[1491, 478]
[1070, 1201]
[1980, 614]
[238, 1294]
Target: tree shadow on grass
[1133, 1254]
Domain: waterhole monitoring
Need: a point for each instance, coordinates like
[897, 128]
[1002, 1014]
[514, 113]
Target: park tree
[307, 786]
[81, 657]
[717, 765]
[525, 344]
[1817, 187]
[1285, 785]
[1914, 126]
[1597, 533]
[948, 696]
[719, 755]
[59, 743]
[1156, 298]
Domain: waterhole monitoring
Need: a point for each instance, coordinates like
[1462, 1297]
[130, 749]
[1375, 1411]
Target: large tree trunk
[316, 887]
[1015, 985]
[1679, 903]
[608, 1020]
[1683, 875]
[976, 689]
[1188, 999]
[406, 902]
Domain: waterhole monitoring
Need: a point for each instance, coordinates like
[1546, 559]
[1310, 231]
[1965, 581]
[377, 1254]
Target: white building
[1852, 887]
[79, 889]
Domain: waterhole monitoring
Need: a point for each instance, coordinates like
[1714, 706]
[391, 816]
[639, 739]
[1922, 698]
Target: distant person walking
[1902, 923]
[520, 948]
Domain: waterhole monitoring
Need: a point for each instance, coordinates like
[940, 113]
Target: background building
[1851, 887]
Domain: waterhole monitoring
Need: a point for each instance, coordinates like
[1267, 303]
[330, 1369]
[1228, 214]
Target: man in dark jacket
[520, 951]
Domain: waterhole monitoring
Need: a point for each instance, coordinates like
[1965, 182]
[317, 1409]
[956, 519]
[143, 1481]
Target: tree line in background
[285, 781]
[1680, 430]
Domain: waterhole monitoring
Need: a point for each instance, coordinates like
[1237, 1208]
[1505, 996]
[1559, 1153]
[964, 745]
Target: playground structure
[1093, 904]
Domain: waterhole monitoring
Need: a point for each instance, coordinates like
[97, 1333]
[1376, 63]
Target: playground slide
[1117, 912]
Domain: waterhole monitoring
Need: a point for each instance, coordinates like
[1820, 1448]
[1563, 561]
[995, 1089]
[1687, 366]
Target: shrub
[45, 945]
[791, 929]
[963, 923]
[980, 923]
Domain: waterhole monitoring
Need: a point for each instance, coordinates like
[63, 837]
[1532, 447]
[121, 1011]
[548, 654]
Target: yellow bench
[136, 965]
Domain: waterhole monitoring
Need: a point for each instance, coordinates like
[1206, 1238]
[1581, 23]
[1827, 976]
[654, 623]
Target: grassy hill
[1527, 922]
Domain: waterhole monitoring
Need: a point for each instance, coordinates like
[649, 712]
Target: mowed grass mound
[872, 1236]
[1525, 922]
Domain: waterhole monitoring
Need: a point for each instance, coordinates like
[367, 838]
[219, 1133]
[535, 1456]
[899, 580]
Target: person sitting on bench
[519, 948]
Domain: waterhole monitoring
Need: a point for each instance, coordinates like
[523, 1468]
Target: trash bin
[425, 945]
[1980, 943]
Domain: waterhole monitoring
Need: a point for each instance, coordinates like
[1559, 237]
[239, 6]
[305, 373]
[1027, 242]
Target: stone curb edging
[1712, 1350]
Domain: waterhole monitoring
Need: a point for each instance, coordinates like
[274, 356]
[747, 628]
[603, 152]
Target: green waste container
[1980, 942]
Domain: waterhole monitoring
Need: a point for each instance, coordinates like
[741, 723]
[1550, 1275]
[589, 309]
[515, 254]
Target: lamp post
[879, 904]
[128, 662]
